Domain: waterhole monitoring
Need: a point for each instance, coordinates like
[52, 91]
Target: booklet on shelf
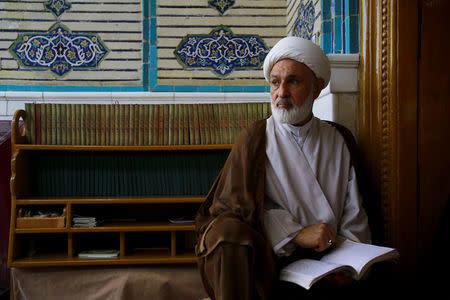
[99, 253]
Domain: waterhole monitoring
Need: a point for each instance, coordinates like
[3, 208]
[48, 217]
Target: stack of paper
[80, 221]
[105, 253]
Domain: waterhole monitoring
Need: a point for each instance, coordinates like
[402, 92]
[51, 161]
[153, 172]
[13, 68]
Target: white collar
[300, 133]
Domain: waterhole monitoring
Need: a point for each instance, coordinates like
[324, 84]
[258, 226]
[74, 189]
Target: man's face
[291, 79]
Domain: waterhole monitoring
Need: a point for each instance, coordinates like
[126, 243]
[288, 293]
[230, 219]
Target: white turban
[301, 50]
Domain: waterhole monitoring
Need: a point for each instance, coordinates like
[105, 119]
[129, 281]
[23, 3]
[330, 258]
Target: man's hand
[316, 237]
[339, 279]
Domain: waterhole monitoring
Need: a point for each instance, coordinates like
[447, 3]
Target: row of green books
[139, 124]
[124, 173]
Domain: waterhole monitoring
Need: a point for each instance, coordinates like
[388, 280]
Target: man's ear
[319, 85]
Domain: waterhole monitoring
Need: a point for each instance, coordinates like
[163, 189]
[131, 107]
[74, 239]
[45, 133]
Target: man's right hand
[317, 237]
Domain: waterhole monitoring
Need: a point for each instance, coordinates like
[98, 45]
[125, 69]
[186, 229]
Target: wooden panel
[388, 119]
[434, 134]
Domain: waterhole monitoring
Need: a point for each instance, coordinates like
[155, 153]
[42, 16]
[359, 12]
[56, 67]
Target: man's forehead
[292, 67]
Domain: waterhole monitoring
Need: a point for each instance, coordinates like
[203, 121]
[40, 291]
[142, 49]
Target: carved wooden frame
[386, 132]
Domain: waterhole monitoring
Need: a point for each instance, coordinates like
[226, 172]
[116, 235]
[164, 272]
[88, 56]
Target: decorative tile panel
[57, 7]
[59, 50]
[304, 26]
[221, 51]
[221, 5]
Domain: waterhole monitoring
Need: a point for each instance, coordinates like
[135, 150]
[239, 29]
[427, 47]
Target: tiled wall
[340, 25]
[304, 19]
[117, 25]
[143, 45]
[188, 31]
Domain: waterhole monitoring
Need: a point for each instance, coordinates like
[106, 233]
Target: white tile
[78, 97]
[13, 106]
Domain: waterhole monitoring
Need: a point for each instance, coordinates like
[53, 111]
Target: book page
[358, 255]
[305, 272]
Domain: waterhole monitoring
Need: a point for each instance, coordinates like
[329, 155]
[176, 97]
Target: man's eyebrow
[290, 76]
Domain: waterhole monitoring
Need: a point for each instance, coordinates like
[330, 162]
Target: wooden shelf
[41, 172]
[148, 257]
[123, 148]
[136, 227]
[115, 227]
[108, 200]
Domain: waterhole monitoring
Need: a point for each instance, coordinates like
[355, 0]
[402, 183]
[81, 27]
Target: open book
[347, 256]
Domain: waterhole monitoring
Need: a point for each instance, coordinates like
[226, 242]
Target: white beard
[294, 114]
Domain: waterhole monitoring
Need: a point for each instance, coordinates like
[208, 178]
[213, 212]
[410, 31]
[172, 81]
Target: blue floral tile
[57, 7]
[304, 26]
[221, 5]
[59, 50]
[221, 51]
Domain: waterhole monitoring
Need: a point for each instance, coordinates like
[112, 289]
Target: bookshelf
[133, 190]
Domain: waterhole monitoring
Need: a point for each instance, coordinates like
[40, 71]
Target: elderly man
[288, 186]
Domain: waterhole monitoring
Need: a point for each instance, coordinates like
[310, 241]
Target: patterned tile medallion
[304, 26]
[221, 51]
[57, 7]
[59, 50]
[221, 5]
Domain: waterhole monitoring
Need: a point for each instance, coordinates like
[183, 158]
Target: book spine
[176, 124]
[107, 109]
[190, 108]
[77, 124]
[244, 116]
[266, 110]
[101, 109]
[210, 124]
[155, 131]
[140, 124]
[38, 124]
[166, 123]
[122, 124]
[161, 124]
[58, 124]
[216, 125]
[64, 124]
[131, 125]
[151, 109]
[146, 124]
[170, 125]
[117, 124]
[53, 129]
[69, 124]
[201, 124]
[181, 135]
[82, 124]
[88, 124]
[127, 125]
[186, 137]
[43, 118]
[220, 122]
[96, 125]
[93, 124]
[197, 138]
[226, 123]
[48, 121]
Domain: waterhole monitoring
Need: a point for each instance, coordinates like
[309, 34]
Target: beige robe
[238, 195]
[309, 180]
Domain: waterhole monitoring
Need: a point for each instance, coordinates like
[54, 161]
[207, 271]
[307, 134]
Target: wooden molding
[387, 119]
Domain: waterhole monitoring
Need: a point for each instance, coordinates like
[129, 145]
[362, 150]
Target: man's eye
[275, 82]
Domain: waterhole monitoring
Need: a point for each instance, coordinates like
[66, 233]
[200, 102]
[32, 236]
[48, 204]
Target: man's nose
[283, 91]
